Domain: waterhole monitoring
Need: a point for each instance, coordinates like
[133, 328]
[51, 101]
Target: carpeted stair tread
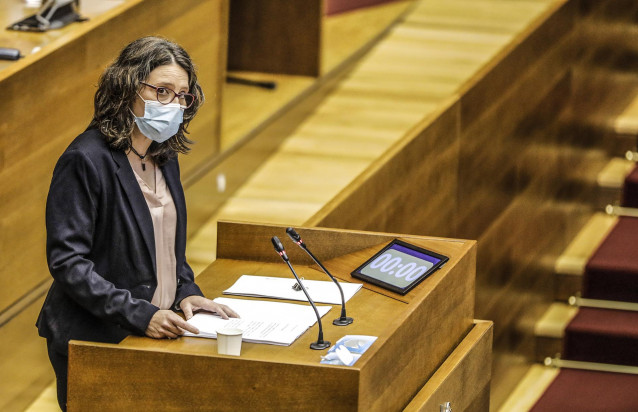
[585, 391]
[602, 336]
[612, 271]
[630, 189]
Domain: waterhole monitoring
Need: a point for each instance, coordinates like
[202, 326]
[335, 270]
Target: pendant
[143, 167]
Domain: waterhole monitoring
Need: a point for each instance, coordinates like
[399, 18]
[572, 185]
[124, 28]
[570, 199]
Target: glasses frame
[176, 95]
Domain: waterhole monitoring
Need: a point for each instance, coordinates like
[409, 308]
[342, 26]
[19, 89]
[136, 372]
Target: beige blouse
[160, 204]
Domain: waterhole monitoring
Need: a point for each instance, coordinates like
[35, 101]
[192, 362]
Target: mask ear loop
[143, 99]
[131, 110]
[142, 158]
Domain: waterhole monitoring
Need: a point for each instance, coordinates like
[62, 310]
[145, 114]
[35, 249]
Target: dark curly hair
[117, 90]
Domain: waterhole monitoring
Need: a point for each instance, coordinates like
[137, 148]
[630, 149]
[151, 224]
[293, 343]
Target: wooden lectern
[429, 349]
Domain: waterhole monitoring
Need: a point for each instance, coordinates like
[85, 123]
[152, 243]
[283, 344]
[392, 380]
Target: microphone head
[279, 248]
[277, 244]
[294, 235]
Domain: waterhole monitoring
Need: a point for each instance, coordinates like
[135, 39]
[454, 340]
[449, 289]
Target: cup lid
[229, 331]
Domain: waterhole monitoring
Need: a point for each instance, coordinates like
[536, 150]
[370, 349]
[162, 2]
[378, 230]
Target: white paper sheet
[281, 288]
[274, 323]
[267, 310]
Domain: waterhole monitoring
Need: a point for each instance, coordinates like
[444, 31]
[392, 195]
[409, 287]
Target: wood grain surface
[409, 349]
[275, 36]
[464, 378]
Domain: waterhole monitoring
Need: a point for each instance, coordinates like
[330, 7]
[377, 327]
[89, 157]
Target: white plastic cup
[229, 341]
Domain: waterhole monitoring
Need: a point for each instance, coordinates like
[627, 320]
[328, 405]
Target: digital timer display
[399, 266]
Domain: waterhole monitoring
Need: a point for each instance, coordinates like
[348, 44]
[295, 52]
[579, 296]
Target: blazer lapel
[138, 203]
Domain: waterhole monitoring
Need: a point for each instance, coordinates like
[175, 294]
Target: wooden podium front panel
[118, 378]
[464, 378]
[415, 335]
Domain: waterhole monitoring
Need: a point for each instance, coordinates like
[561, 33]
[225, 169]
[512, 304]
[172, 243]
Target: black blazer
[101, 247]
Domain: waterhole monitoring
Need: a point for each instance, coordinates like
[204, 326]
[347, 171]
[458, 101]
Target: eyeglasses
[166, 96]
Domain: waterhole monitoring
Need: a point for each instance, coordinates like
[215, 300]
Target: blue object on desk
[348, 350]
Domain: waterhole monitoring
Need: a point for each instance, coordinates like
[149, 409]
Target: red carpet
[585, 391]
[340, 6]
[602, 336]
[630, 190]
[612, 272]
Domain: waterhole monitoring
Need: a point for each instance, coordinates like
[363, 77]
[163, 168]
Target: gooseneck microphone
[343, 320]
[279, 248]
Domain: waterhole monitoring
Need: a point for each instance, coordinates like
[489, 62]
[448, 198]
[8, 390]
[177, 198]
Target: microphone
[247, 82]
[343, 320]
[320, 343]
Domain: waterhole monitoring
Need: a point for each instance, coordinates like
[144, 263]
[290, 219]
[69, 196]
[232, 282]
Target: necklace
[142, 157]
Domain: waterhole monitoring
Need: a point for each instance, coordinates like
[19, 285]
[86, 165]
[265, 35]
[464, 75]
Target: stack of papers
[282, 288]
[273, 323]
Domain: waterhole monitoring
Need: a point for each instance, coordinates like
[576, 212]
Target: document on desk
[273, 323]
[282, 288]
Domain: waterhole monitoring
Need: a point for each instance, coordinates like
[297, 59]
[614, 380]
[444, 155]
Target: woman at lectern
[116, 215]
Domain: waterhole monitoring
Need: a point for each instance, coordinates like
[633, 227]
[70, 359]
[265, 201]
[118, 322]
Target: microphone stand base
[320, 345]
[344, 321]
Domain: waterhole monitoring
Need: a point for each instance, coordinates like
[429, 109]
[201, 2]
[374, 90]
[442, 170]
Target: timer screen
[399, 266]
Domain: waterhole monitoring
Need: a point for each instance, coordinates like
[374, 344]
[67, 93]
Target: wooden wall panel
[413, 188]
[515, 59]
[488, 153]
[23, 359]
[490, 178]
[238, 163]
[38, 136]
[275, 36]
[205, 39]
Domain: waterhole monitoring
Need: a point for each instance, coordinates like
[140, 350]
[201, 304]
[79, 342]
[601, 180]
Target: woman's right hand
[168, 324]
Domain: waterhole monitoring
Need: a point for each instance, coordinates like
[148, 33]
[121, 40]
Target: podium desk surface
[376, 311]
[373, 313]
[416, 333]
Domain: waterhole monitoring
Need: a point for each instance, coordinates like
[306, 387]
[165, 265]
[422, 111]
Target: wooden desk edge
[80, 30]
[228, 232]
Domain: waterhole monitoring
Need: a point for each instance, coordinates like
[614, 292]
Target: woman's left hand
[192, 303]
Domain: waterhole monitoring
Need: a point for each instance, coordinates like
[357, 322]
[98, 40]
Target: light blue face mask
[160, 121]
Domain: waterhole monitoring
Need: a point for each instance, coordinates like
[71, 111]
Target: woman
[116, 215]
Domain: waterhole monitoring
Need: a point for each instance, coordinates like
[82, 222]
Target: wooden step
[570, 265]
[615, 327]
[611, 179]
[605, 112]
[627, 121]
[550, 330]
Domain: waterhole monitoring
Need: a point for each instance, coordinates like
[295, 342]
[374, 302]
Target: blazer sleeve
[71, 214]
[186, 285]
